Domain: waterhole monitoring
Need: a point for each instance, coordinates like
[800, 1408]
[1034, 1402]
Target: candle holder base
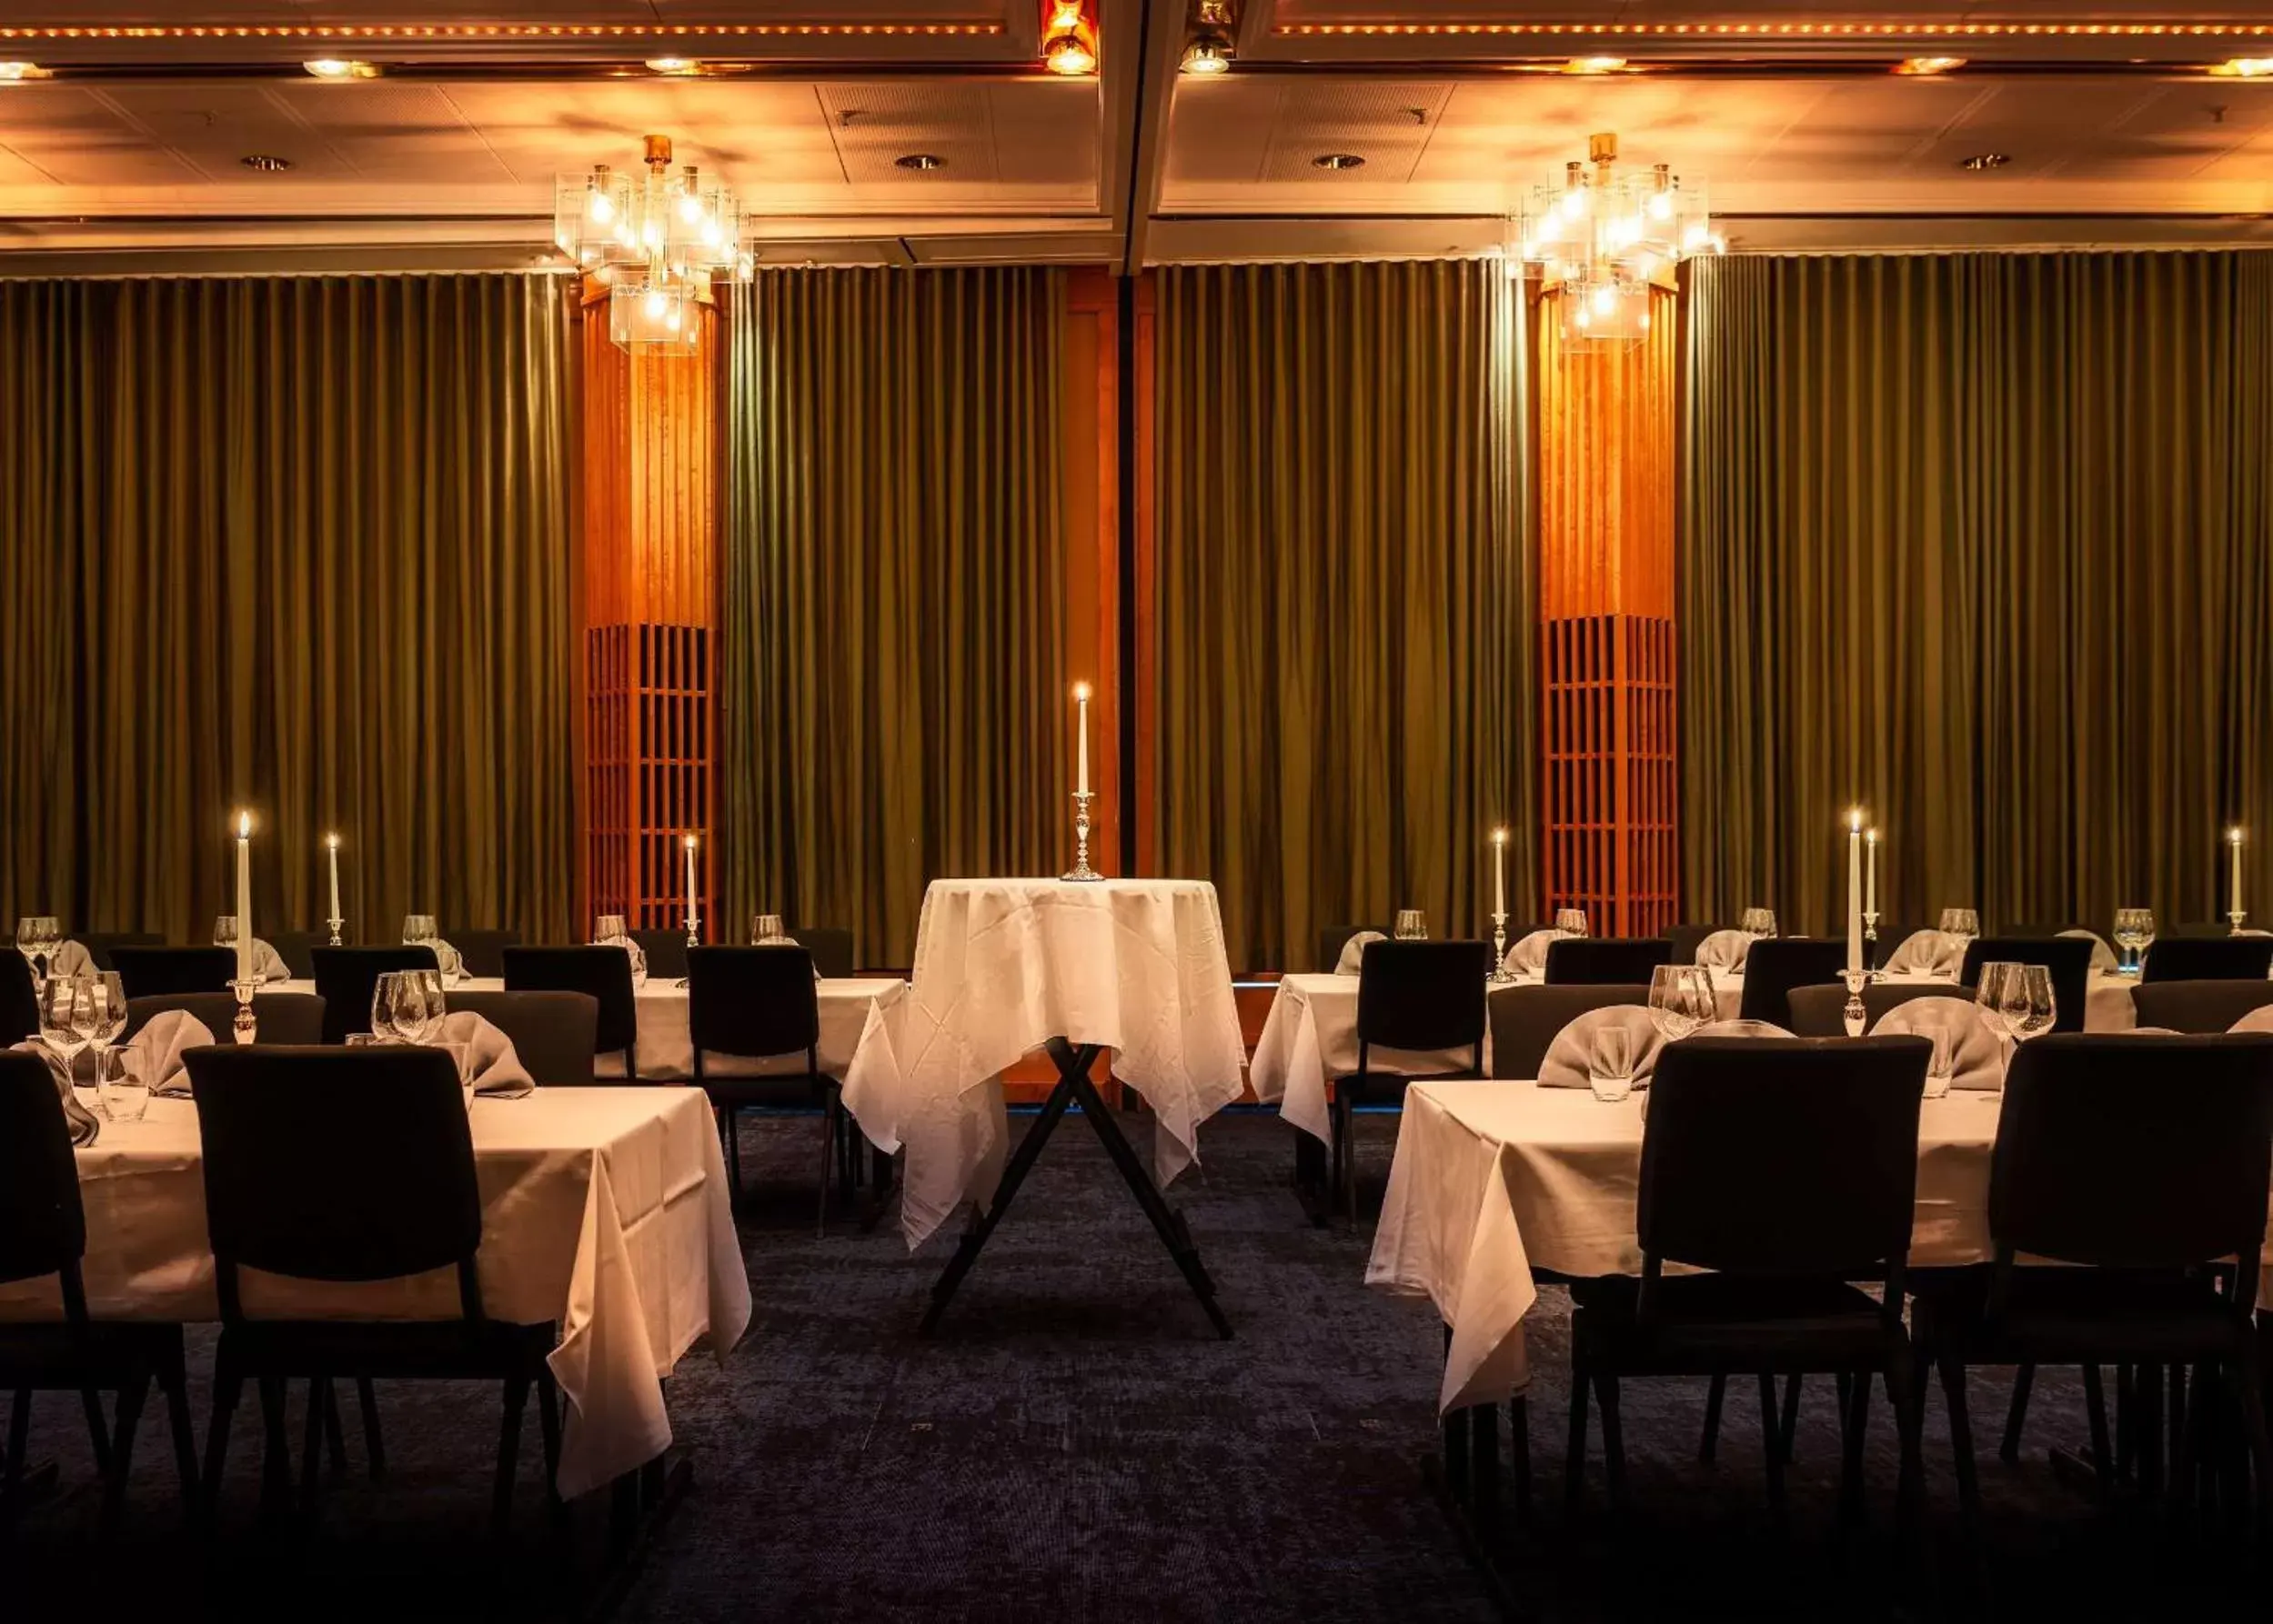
[1499, 975]
[1080, 869]
[2234, 920]
[244, 1029]
[1855, 1013]
[335, 927]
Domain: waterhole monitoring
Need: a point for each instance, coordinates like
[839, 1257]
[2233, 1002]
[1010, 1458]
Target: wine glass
[1680, 999]
[2135, 928]
[1759, 923]
[418, 930]
[383, 1007]
[1991, 996]
[105, 1012]
[65, 1007]
[418, 1005]
[1570, 921]
[2038, 1007]
[1413, 925]
[606, 928]
[766, 931]
[36, 937]
[1961, 922]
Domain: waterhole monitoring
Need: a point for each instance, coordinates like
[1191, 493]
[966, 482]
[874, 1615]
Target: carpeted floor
[1076, 1445]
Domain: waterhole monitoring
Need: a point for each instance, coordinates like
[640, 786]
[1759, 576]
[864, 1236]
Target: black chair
[666, 952]
[2200, 1005]
[304, 1180]
[551, 1032]
[19, 1005]
[2069, 957]
[830, 946]
[602, 972]
[1821, 1011]
[758, 1004]
[43, 1231]
[483, 951]
[1734, 1180]
[2148, 1216]
[1525, 1018]
[1777, 965]
[2218, 929]
[1410, 996]
[99, 943]
[1585, 960]
[345, 978]
[298, 950]
[153, 972]
[285, 1017]
[1687, 938]
[2205, 958]
[1332, 938]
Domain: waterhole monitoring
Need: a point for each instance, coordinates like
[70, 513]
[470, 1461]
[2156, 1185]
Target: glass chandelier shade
[1601, 236]
[657, 239]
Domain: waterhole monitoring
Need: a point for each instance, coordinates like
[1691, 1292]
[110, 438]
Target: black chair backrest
[552, 1032]
[312, 1156]
[298, 950]
[1525, 1018]
[1332, 938]
[285, 1017]
[2200, 1005]
[152, 972]
[1777, 965]
[1423, 995]
[1782, 1155]
[2069, 957]
[830, 946]
[1821, 1011]
[19, 1006]
[483, 951]
[604, 972]
[2080, 1177]
[99, 943]
[1687, 938]
[346, 977]
[666, 952]
[752, 1001]
[2218, 929]
[2204, 958]
[1574, 960]
[43, 1227]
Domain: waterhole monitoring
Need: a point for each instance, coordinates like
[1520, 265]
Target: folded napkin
[1740, 1028]
[70, 959]
[1725, 950]
[1927, 953]
[158, 1048]
[81, 1122]
[1976, 1053]
[447, 959]
[1564, 1065]
[2103, 959]
[2259, 1020]
[1529, 955]
[1352, 952]
[495, 1070]
[638, 956]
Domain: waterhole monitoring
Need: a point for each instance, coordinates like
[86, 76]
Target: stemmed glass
[1570, 921]
[2134, 933]
[66, 1018]
[414, 1006]
[418, 930]
[1963, 924]
[37, 935]
[1413, 925]
[105, 1014]
[607, 929]
[1758, 923]
[766, 931]
[1680, 999]
[2016, 999]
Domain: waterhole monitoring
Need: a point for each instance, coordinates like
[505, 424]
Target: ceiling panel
[80, 138]
[1387, 124]
[875, 125]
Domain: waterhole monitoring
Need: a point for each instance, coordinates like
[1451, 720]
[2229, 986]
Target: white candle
[2233, 846]
[331, 850]
[1870, 872]
[1499, 871]
[1080, 696]
[243, 896]
[1855, 892]
[694, 919]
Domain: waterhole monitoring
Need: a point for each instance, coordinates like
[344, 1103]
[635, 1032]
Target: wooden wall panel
[1605, 426]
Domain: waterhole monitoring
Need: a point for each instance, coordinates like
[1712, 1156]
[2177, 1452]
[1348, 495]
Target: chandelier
[1601, 238]
[655, 241]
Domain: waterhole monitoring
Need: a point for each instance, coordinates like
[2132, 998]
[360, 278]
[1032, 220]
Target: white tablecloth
[1002, 966]
[666, 1053]
[1495, 1179]
[604, 1210]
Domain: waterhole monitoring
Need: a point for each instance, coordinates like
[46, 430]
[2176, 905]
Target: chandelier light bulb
[600, 209]
[1605, 299]
[656, 303]
[690, 208]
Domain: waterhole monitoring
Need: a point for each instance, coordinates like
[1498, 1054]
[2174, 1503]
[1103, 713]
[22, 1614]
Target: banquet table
[1004, 967]
[665, 1051]
[605, 1211]
[1494, 1180]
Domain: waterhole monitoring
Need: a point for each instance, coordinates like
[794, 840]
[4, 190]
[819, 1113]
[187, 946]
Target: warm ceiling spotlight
[18, 73]
[265, 164]
[341, 67]
[921, 160]
[1338, 160]
[1985, 160]
[1068, 44]
[678, 67]
[1594, 65]
[2246, 67]
[1926, 67]
[1208, 51]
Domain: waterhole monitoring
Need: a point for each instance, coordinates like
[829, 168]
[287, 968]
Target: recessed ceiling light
[341, 67]
[264, 162]
[921, 160]
[1338, 160]
[1594, 65]
[674, 64]
[16, 73]
[2246, 67]
[1927, 66]
[1207, 56]
[1985, 160]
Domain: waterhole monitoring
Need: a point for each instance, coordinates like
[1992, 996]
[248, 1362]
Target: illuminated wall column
[650, 536]
[1606, 465]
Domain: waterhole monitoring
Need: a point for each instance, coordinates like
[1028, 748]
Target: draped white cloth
[1976, 1054]
[1725, 950]
[1927, 953]
[604, 1211]
[1310, 1036]
[1002, 966]
[1565, 1063]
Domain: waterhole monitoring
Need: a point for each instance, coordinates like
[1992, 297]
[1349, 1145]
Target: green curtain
[301, 545]
[1980, 542]
[892, 669]
[1342, 655]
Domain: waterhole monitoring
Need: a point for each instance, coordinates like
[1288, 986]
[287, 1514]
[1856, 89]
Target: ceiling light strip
[488, 31]
[1872, 30]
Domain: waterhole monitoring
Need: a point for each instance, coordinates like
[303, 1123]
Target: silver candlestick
[1855, 1015]
[1080, 869]
[1870, 936]
[694, 930]
[335, 923]
[244, 1026]
[2235, 918]
[1499, 975]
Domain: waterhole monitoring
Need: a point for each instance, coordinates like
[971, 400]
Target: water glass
[608, 927]
[121, 1087]
[1680, 999]
[1610, 1063]
[1570, 921]
[1961, 922]
[1943, 1065]
[462, 1057]
[224, 931]
[1413, 925]
[1759, 923]
[766, 931]
[418, 930]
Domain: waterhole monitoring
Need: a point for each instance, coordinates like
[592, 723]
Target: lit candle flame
[332, 841]
[2234, 833]
[243, 826]
[1498, 837]
[692, 841]
[1855, 820]
[1080, 690]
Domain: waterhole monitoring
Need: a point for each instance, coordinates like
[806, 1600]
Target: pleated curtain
[893, 670]
[1342, 645]
[298, 545]
[1985, 544]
